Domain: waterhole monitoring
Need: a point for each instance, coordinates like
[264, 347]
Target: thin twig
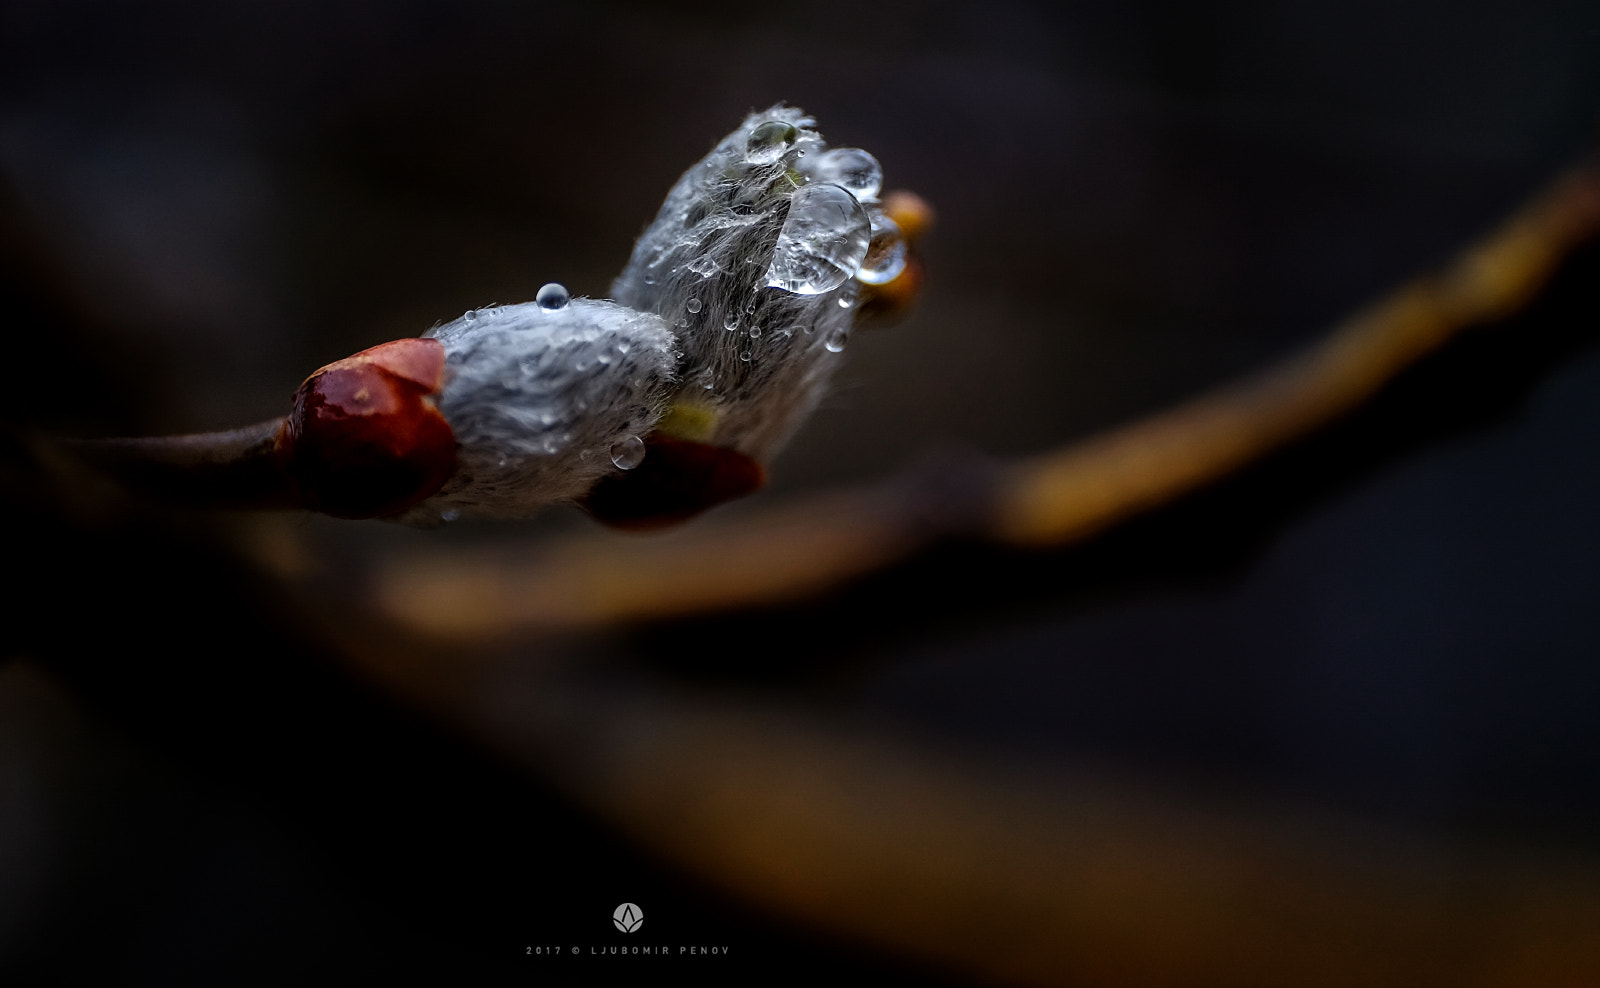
[241, 468]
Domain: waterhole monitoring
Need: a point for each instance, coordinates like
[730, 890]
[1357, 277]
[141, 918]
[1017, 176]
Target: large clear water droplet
[552, 296]
[886, 251]
[730, 322]
[822, 241]
[768, 142]
[836, 340]
[627, 453]
[693, 305]
[852, 168]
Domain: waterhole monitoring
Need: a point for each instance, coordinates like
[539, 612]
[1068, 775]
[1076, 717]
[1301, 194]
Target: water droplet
[552, 297]
[768, 141]
[854, 169]
[822, 241]
[836, 340]
[693, 305]
[886, 251]
[846, 301]
[745, 356]
[730, 322]
[627, 453]
[755, 331]
[707, 379]
[449, 514]
[471, 316]
[704, 266]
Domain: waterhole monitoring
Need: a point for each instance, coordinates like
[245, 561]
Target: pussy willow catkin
[723, 331]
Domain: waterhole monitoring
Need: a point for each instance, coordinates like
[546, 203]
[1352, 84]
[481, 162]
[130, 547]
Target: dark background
[1137, 200]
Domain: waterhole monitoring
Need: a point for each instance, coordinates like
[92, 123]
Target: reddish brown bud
[365, 439]
[676, 480]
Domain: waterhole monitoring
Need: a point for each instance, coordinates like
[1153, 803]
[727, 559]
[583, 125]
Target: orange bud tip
[890, 302]
[910, 212]
[365, 439]
[676, 480]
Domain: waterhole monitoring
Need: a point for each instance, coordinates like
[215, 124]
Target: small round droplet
[745, 356]
[822, 242]
[693, 305]
[846, 301]
[768, 141]
[854, 169]
[627, 453]
[552, 297]
[730, 322]
[755, 331]
[471, 316]
[886, 251]
[836, 340]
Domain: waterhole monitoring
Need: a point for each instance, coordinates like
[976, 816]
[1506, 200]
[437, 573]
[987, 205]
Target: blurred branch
[1058, 879]
[790, 552]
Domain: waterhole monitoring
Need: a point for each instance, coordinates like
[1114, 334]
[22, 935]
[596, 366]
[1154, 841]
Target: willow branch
[1052, 499]
[241, 468]
[1062, 496]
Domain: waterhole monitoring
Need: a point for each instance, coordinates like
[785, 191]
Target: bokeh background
[1137, 201]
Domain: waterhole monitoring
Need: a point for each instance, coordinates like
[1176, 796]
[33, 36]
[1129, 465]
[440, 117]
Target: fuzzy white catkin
[712, 243]
[539, 396]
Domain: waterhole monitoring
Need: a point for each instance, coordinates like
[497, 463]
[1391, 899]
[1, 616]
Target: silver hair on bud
[538, 395]
[753, 266]
[726, 325]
